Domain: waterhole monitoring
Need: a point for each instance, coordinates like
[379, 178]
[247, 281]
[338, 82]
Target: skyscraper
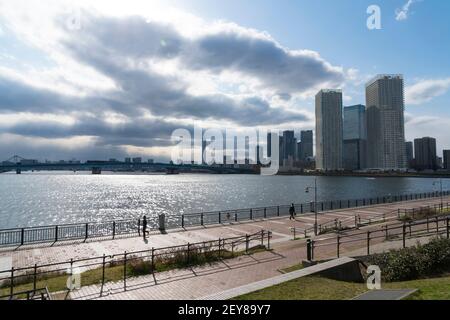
[289, 146]
[409, 153]
[447, 159]
[425, 153]
[329, 130]
[385, 122]
[355, 137]
[307, 145]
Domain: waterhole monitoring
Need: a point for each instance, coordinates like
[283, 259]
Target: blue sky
[114, 85]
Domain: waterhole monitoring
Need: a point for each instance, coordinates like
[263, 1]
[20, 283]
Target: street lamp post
[442, 198]
[315, 204]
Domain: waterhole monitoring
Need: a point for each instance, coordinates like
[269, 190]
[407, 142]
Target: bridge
[20, 164]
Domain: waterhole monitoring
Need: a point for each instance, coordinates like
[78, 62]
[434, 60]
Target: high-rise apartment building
[409, 153]
[355, 137]
[307, 146]
[385, 122]
[329, 130]
[425, 153]
[446, 163]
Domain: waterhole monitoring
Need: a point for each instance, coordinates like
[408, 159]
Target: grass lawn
[318, 288]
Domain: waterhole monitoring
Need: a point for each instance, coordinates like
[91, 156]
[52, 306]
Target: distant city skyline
[105, 79]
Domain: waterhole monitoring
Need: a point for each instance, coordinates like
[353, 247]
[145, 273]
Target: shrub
[415, 262]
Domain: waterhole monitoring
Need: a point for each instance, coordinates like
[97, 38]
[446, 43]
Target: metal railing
[338, 225]
[239, 215]
[424, 211]
[112, 229]
[439, 225]
[155, 260]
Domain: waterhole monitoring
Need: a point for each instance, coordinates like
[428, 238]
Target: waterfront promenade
[201, 281]
[28, 255]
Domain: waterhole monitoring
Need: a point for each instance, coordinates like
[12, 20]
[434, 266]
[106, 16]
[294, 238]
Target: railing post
[103, 270]
[114, 230]
[34, 277]
[262, 237]
[139, 227]
[269, 235]
[312, 249]
[153, 260]
[22, 236]
[338, 245]
[246, 243]
[368, 242]
[188, 253]
[447, 221]
[251, 214]
[278, 211]
[11, 289]
[220, 217]
[182, 220]
[235, 217]
[404, 235]
[265, 213]
[56, 233]
[437, 225]
[125, 271]
[201, 216]
[86, 231]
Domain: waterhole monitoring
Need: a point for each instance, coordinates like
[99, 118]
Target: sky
[109, 79]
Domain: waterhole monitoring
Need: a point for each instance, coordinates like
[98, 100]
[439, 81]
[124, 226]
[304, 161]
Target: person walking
[144, 227]
[292, 212]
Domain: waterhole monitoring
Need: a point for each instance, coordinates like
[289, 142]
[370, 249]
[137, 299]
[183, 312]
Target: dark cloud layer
[121, 48]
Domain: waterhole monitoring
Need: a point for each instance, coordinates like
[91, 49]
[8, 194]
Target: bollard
[162, 222]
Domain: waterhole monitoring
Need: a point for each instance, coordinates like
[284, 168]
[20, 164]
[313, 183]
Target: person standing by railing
[292, 212]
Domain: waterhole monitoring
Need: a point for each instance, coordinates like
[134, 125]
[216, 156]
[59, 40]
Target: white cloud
[425, 90]
[425, 126]
[402, 13]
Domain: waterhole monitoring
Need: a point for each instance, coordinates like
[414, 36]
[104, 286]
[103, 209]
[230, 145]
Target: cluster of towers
[360, 137]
